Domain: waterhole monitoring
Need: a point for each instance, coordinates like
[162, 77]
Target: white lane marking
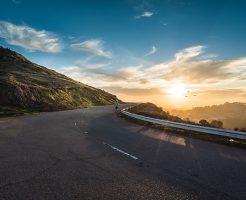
[121, 151]
[75, 124]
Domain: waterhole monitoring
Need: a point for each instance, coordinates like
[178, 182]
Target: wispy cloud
[94, 46]
[144, 14]
[30, 38]
[152, 51]
[189, 53]
[91, 63]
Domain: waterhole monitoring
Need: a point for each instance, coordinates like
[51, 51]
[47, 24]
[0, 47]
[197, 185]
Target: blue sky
[88, 39]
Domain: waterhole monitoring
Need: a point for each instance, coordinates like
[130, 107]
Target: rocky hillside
[26, 87]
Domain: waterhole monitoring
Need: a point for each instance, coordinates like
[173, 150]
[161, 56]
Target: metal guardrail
[203, 129]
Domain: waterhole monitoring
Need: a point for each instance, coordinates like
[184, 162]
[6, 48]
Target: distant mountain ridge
[28, 86]
[233, 115]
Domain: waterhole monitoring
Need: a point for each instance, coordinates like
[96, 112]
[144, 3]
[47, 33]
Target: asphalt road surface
[93, 154]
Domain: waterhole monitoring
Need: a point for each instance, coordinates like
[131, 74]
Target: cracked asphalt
[62, 155]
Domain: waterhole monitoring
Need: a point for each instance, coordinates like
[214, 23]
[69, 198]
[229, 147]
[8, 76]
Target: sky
[175, 53]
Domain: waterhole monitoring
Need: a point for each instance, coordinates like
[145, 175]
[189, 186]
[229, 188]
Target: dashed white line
[114, 148]
[121, 151]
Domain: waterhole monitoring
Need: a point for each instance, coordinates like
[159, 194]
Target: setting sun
[177, 90]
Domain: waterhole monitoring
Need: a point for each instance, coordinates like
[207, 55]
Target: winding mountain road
[94, 154]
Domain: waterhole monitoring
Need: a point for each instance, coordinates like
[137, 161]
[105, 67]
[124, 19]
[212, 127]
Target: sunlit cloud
[30, 38]
[134, 91]
[94, 46]
[191, 69]
[144, 14]
[186, 67]
[198, 76]
[152, 51]
[223, 92]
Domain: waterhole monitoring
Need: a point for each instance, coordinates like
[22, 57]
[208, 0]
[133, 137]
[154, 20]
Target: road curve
[93, 154]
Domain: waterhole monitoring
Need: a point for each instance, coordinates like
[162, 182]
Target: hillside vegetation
[233, 115]
[27, 87]
[151, 110]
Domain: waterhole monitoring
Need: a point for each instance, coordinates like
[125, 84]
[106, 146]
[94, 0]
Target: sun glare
[177, 90]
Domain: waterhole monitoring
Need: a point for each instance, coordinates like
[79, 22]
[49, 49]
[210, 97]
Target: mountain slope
[28, 86]
[233, 115]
